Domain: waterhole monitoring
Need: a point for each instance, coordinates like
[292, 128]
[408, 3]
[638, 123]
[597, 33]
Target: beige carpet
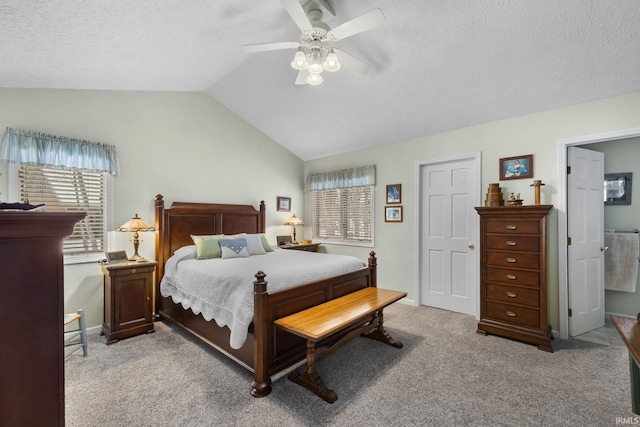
[446, 375]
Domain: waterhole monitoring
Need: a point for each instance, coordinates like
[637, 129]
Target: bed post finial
[373, 266]
[261, 384]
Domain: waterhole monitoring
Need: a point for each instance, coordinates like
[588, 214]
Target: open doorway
[616, 137]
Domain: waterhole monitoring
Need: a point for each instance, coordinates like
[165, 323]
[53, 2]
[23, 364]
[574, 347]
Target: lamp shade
[314, 79]
[300, 61]
[331, 63]
[136, 224]
[294, 220]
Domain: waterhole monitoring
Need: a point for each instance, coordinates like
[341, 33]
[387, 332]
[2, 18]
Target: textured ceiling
[436, 65]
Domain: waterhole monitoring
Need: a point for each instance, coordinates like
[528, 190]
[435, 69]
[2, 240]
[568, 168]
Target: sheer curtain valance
[35, 148]
[361, 176]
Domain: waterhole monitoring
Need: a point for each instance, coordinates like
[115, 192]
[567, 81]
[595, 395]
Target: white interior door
[585, 228]
[448, 274]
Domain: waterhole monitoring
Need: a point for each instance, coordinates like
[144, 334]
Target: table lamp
[135, 225]
[293, 222]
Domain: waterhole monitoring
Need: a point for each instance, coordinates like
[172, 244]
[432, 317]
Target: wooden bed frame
[268, 349]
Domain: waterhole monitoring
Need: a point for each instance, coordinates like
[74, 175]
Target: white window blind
[69, 191]
[343, 214]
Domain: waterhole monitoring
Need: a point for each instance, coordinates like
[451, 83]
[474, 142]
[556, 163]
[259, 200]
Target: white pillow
[254, 244]
[233, 248]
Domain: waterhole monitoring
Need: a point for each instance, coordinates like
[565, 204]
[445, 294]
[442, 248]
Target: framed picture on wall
[518, 167]
[393, 214]
[394, 193]
[284, 204]
[617, 188]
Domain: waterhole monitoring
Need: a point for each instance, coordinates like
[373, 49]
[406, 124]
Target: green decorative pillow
[265, 243]
[207, 246]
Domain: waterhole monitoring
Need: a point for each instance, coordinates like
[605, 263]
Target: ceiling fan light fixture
[300, 61]
[331, 63]
[315, 64]
[314, 79]
[315, 67]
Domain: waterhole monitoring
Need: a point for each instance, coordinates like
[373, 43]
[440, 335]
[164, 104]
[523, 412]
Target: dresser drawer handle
[511, 295]
[511, 243]
[512, 276]
[511, 314]
[511, 227]
[511, 260]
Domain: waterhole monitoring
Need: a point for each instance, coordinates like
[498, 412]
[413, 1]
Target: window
[70, 191]
[67, 175]
[342, 205]
[343, 214]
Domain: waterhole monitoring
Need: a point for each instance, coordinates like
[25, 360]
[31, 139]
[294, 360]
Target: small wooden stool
[75, 339]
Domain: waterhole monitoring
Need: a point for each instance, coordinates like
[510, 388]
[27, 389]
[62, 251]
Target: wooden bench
[322, 321]
[629, 330]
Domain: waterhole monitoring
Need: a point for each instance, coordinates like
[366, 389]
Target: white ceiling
[436, 65]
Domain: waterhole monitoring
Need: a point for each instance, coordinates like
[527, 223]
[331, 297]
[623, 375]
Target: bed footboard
[275, 350]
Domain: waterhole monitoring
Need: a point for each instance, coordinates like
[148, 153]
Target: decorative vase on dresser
[513, 273]
[31, 316]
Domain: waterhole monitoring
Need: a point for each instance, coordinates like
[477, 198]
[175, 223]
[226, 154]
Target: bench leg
[310, 378]
[379, 334]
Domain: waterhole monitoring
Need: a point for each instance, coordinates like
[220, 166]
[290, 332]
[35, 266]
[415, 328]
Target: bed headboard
[176, 224]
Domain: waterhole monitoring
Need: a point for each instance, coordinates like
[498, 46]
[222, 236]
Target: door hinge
[568, 170]
[568, 241]
[570, 313]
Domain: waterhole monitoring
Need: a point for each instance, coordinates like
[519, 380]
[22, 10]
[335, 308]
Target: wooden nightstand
[128, 299]
[310, 247]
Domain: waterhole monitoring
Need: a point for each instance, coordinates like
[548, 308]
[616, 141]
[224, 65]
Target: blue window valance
[35, 148]
[360, 176]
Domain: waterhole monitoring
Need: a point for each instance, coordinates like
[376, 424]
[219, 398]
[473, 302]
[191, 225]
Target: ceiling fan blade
[357, 25]
[351, 62]
[299, 16]
[265, 47]
[301, 79]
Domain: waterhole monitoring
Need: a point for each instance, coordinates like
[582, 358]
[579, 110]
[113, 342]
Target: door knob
[471, 246]
[604, 248]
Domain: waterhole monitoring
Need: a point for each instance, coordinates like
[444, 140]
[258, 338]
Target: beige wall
[185, 146]
[536, 134]
[190, 148]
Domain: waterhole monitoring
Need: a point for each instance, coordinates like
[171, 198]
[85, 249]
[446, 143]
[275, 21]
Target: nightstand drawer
[513, 294]
[513, 226]
[513, 314]
[513, 277]
[513, 259]
[513, 243]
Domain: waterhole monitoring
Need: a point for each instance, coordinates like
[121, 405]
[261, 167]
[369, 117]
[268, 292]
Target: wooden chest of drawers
[513, 273]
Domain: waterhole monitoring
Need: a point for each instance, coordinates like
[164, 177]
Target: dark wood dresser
[31, 313]
[513, 273]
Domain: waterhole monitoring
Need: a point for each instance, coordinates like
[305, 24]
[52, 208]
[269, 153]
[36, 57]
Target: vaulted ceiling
[435, 65]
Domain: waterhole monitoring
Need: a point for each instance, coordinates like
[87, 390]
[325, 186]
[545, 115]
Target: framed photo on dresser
[116, 256]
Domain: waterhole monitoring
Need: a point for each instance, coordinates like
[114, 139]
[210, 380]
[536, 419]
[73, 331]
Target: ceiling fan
[316, 52]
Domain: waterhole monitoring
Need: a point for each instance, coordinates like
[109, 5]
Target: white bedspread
[222, 289]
